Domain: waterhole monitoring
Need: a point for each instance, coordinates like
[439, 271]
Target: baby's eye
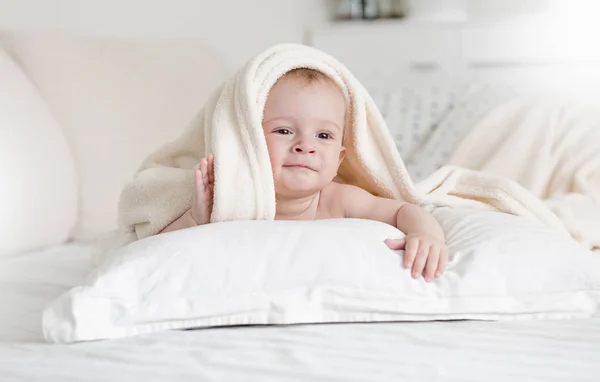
[283, 131]
[324, 135]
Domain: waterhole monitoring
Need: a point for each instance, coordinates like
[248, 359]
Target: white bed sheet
[436, 351]
[29, 281]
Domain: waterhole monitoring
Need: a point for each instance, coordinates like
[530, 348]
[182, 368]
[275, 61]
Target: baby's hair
[310, 76]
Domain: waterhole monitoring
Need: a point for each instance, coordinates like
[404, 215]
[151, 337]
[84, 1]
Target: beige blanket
[552, 148]
[229, 126]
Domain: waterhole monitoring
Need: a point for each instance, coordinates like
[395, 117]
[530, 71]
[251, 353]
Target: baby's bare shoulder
[355, 202]
[341, 197]
[351, 193]
[345, 192]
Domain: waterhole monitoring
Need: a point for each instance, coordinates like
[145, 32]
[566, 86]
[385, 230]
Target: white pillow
[286, 272]
[118, 100]
[38, 187]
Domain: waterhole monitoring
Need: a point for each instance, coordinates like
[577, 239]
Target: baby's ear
[342, 155]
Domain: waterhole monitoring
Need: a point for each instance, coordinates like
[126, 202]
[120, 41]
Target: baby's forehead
[308, 77]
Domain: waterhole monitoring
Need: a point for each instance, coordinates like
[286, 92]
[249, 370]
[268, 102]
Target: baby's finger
[198, 185]
[432, 263]
[420, 261]
[204, 171]
[442, 263]
[410, 252]
[395, 244]
[211, 169]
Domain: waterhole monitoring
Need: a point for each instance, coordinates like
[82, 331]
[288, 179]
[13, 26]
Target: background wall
[238, 28]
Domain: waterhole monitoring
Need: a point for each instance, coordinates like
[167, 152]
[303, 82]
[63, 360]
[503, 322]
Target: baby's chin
[297, 189]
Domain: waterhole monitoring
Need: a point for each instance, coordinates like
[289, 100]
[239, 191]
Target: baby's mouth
[299, 166]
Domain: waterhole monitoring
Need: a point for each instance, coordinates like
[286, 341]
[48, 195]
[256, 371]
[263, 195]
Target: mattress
[429, 351]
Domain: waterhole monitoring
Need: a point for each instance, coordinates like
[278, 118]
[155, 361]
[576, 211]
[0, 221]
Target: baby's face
[303, 126]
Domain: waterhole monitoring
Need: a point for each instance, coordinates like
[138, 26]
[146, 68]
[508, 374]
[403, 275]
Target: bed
[553, 350]
[436, 351]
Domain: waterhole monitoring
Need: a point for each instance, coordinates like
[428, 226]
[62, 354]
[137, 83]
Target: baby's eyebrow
[331, 123]
[286, 119]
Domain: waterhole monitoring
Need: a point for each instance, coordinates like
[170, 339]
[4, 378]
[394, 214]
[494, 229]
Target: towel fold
[230, 127]
[550, 146]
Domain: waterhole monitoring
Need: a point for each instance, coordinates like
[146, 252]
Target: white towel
[550, 146]
[229, 126]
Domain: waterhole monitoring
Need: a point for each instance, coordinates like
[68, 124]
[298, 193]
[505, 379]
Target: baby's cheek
[274, 160]
[275, 165]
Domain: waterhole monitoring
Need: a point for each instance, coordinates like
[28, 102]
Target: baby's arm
[425, 248]
[184, 221]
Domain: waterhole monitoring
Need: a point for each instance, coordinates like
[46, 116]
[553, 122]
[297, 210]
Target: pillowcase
[501, 267]
[118, 100]
[38, 185]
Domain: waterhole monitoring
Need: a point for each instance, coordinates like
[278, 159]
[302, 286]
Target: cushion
[501, 267]
[38, 187]
[5, 43]
[118, 100]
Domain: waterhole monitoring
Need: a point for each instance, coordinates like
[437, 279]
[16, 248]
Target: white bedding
[29, 281]
[441, 351]
[429, 122]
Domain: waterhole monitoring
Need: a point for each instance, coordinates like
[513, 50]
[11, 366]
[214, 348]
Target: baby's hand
[202, 202]
[425, 253]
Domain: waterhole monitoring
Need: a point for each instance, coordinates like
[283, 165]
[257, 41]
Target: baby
[304, 122]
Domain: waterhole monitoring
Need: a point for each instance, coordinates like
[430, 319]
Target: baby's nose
[305, 148]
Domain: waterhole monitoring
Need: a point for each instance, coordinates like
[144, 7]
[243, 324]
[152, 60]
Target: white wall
[239, 28]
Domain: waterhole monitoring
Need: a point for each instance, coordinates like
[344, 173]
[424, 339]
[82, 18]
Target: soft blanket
[229, 126]
[550, 146]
